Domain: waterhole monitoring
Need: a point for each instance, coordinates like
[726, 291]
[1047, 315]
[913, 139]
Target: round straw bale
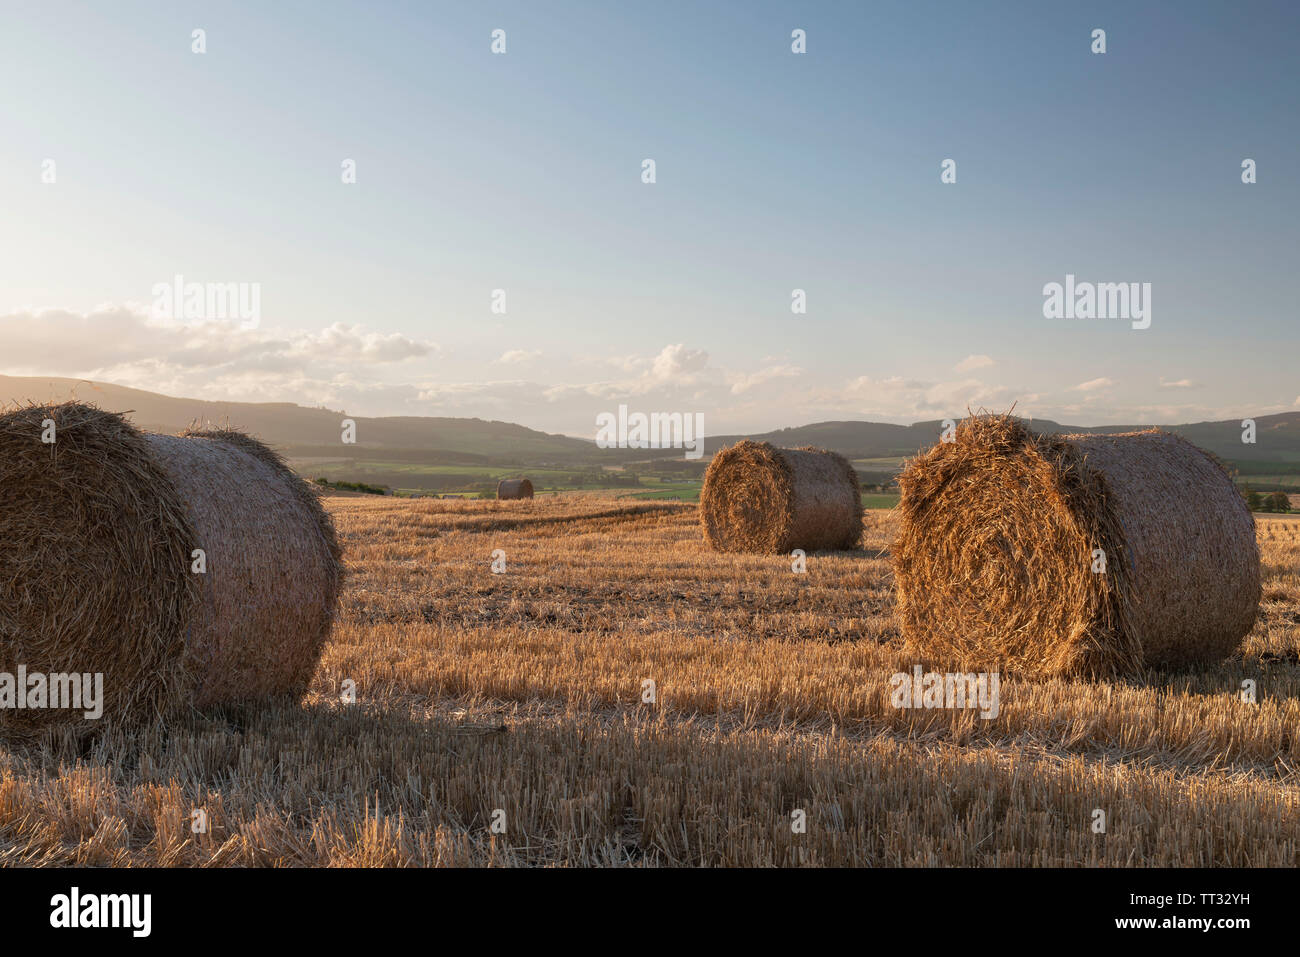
[758, 498]
[100, 528]
[514, 488]
[1055, 555]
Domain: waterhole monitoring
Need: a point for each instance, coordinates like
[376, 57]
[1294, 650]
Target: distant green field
[415, 470]
[1266, 482]
[886, 464]
[685, 491]
[690, 492]
[414, 477]
[408, 478]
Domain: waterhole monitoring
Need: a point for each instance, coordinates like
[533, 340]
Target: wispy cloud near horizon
[373, 372]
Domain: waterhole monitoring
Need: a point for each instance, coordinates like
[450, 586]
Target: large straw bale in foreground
[994, 562]
[758, 498]
[99, 530]
[515, 488]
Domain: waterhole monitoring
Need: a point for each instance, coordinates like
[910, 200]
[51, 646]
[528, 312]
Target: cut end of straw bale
[1059, 555]
[100, 529]
[759, 498]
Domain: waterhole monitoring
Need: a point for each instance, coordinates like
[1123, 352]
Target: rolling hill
[313, 434]
[1277, 438]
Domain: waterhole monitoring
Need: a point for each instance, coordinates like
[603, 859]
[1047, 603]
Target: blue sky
[775, 171]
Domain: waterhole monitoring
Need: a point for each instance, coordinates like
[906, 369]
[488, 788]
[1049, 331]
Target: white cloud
[674, 369]
[898, 398]
[677, 378]
[744, 382]
[512, 356]
[341, 343]
[369, 372]
[55, 341]
[212, 360]
[971, 363]
[1092, 385]
[677, 362]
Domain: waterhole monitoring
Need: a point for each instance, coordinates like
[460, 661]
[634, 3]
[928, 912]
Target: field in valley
[516, 700]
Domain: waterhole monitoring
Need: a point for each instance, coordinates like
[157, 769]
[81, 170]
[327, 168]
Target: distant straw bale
[100, 531]
[759, 498]
[1072, 555]
[514, 488]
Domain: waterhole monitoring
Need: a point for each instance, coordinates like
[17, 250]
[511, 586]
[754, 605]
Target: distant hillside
[314, 434]
[1277, 437]
[305, 432]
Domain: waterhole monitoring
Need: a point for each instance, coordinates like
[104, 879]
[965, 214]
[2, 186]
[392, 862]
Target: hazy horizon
[88, 396]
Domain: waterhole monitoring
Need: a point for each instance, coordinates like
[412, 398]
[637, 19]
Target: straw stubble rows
[523, 692]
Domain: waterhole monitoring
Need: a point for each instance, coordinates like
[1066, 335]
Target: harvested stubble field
[522, 692]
